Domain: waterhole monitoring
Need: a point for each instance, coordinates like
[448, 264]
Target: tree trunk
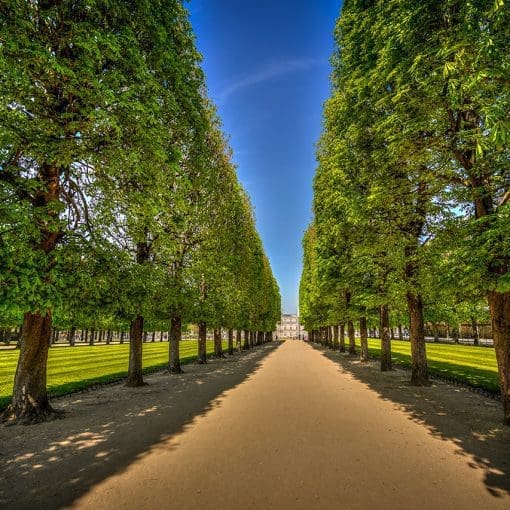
[174, 366]
[341, 340]
[363, 338]
[392, 333]
[202, 343]
[135, 376]
[230, 341]
[144, 336]
[455, 335]
[499, 305]
[161, 336]
[476, 331]
[246, 344]
[238, 340]
[29, 398]
[91, 337]
[435, 332]
[218, 348]
[384, 326]
[400, 332]
[72, 336]
[352, 338]
[122, 337]
[335, 338]
[419, 371]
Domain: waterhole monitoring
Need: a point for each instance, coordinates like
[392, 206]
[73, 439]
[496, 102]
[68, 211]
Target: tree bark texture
[384, 326]
[30, 402]
[135, 375]
[202, 343]
[230, 341]
[419, 370]
[499, 305]
[352, 338]
[238, 340]
[363, 334]
[341, 339]
[218, 348]
[174, 366]
[476, 331]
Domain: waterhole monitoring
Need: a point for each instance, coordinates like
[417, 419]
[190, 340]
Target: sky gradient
[267, 68]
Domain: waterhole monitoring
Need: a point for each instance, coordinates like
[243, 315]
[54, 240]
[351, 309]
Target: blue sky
[267, 68]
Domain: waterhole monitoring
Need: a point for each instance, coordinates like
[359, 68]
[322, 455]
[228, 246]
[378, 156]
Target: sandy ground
[281, 427]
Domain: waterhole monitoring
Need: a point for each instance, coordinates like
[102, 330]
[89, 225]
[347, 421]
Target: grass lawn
[475, 366]
[73, 368]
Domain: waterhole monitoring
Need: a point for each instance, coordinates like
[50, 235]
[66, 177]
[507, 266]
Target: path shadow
[472, 422]
[51, 465]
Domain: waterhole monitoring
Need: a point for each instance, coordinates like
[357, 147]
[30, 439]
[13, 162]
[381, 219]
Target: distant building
[289, 327]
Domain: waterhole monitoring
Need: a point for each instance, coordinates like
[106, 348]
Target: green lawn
[475, 366]
[73, 368]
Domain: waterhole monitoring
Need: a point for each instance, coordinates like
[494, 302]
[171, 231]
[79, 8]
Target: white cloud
[273, 69]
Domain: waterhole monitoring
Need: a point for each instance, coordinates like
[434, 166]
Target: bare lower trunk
[476, 331]
[246, 344]
[352, 339]
[435, 332]
[231, 342]
[455, 335]
[335, 338]
[202, 343]
[419, 372]
[499, 305]
[174, 365]
[341, 339]
[135, 375]
[72, 336]
[29, 398]
[238, 340]
[400, 332]
[363, 338]
[384, 326]
[218, 348]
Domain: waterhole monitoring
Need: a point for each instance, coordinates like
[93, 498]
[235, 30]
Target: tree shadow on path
[472, 422]
[50, 465]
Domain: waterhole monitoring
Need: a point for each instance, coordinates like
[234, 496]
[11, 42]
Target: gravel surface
[283, 426]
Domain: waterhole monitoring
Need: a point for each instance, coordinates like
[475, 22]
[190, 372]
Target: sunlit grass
[475, 366]
[74, 368]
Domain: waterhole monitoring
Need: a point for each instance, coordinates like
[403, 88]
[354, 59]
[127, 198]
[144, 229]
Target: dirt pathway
[279, 428]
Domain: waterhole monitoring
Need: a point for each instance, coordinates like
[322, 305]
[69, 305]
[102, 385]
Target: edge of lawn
[478, 380]
[63, 390]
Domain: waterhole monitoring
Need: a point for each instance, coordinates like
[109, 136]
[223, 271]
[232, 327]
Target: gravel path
[279, 428]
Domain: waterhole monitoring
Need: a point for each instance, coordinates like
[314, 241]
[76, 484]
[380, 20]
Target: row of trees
[411, 194]
[120, 204]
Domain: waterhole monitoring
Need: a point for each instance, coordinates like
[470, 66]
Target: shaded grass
[76, 368]
[475, 366]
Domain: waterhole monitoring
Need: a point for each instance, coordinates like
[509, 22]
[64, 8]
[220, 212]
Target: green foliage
[411, 189]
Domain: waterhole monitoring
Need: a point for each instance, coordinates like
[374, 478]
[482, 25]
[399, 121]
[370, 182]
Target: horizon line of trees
[119, 200]
[412, 190]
